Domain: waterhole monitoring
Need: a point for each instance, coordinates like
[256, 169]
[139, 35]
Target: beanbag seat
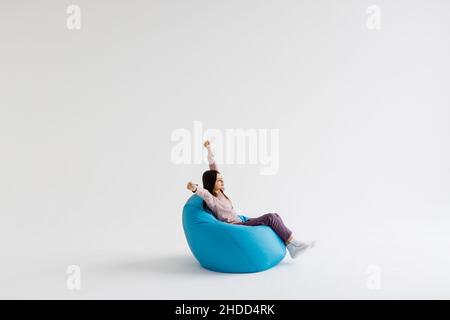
[225, 247]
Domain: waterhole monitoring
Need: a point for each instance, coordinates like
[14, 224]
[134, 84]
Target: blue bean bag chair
[225, 247]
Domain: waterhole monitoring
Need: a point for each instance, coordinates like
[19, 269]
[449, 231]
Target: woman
[216, 201]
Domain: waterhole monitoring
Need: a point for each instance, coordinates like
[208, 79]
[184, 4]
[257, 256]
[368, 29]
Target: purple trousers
[272, 220]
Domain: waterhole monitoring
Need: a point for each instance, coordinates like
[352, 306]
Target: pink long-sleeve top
[220, 205]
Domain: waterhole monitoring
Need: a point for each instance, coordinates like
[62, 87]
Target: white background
[86, 117]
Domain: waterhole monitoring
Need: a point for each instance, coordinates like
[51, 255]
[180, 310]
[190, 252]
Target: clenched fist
[191, 186]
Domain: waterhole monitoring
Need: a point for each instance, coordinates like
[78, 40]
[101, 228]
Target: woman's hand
[191, 186]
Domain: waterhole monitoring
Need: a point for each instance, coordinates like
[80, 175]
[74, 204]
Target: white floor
[396, 261]
[87, 123]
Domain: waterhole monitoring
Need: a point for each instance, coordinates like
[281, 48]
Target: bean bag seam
[240, 248]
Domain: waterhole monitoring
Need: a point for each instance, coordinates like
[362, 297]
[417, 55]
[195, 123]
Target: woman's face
[219, 185]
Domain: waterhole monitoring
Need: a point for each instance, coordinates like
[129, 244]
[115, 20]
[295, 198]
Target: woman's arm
[204, 194]
[211, 160]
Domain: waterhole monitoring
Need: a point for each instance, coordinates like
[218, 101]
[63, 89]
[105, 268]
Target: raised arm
[211, 160]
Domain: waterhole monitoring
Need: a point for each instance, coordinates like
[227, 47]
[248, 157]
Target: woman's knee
[271, 216]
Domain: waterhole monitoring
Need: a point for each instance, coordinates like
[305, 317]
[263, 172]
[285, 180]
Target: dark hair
[209, 180]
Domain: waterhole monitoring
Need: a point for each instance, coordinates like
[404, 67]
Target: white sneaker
[295, 249]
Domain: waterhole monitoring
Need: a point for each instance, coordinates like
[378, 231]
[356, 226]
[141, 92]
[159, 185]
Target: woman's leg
[274, 221]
